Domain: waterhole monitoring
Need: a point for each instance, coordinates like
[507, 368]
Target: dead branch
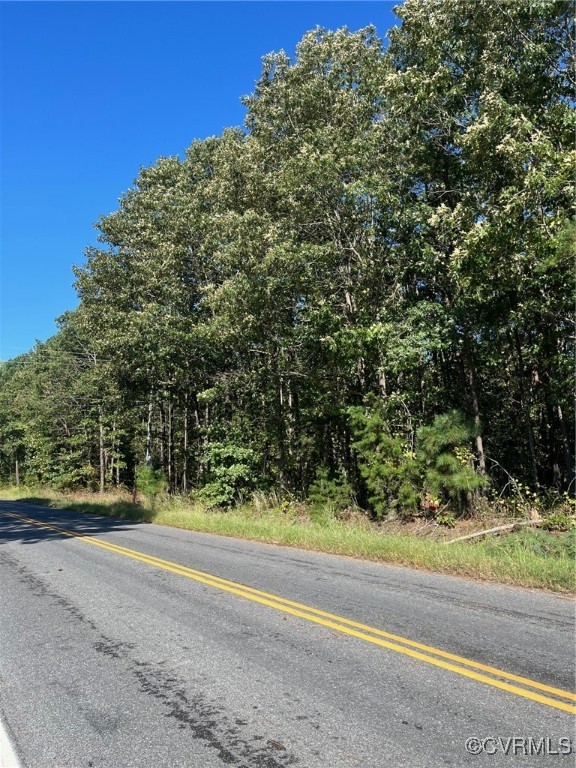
[508, 527]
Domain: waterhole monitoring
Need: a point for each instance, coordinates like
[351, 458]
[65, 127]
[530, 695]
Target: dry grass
[419, 545]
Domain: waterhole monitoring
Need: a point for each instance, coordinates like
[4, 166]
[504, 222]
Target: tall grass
[266, 521]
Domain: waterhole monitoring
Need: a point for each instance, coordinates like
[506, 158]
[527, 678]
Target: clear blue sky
[91, 92]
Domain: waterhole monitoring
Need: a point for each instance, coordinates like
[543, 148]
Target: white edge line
[8, 757]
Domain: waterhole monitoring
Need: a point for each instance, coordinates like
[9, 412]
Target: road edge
[8, 756]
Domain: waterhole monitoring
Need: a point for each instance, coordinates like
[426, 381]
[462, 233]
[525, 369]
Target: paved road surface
[130, 648]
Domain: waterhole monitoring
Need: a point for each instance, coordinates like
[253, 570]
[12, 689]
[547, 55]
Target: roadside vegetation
[540, 558]
[347, 325]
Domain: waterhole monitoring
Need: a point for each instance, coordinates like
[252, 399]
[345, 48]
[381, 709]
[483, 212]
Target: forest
[364, 295]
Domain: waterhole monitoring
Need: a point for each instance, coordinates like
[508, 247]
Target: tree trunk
[113, 454]
[525, 407]
[479, 443]
[162, 436]
[102, 452]
[290, 420]
[170, 448]
[279, 408]
[382, 384]
[149, 434]
[185, 452]
[568, 455]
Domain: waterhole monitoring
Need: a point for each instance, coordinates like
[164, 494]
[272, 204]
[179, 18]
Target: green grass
[530, 559]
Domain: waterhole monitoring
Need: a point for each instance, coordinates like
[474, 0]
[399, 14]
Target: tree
[481, 97]
[308, 303]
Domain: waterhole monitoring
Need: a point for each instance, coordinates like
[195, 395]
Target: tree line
[367, 292]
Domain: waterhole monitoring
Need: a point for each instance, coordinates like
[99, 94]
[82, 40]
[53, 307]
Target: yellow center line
[218, 581]
[338, 623]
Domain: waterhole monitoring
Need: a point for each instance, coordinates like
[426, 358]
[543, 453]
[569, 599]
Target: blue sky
[93, 91]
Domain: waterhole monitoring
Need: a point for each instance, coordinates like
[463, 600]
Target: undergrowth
[530, 558]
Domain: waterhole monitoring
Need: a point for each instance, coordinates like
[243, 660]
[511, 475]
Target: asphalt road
[131, 648]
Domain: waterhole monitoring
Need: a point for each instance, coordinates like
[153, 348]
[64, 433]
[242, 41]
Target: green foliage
[447, 462]
[387, 464]
[326, 491]
[393, 228]
[231, 474]
[537, 542]
[559, 521]
[446, 519]
[149, 481]
[405, 480]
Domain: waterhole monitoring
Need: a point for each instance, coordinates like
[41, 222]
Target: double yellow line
[497, 678]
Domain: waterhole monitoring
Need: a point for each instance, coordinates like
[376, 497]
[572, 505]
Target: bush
[447, 462]
[559, 521]
[149, 481]
[446, 519]
[401, 478]
[334, 492]
[386, 462]
[231, 474]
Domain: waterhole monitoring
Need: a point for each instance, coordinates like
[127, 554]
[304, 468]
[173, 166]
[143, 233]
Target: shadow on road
[82, 523]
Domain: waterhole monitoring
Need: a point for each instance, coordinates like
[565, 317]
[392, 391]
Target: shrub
[447, 462]
[149, 481]
[446, 519]
[406, 480]
[387, 463]
[231, 474]
[333, 492]
[559, 521]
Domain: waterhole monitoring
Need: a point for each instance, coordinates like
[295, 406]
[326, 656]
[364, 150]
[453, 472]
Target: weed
[528, 558]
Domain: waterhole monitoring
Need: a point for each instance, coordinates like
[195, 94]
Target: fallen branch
[508, 527]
